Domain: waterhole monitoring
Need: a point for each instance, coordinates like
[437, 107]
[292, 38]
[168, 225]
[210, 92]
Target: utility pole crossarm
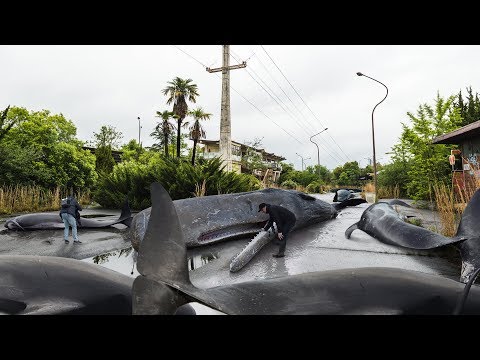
[239, 66]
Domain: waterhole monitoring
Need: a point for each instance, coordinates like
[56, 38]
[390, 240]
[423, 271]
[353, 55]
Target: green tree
[6, 123]
[350, 174]
[306, 177]
[104, 160]
[178, 91]
[42, 150]
[252, 159]
[107, 136]
[396, 173]
[107, 139]
[196, 130]
[163, 130]
[469, 110]
[132, 151]
[427, 162]
[17, 165]
[325, 174]
[287, 170]
[337, 172]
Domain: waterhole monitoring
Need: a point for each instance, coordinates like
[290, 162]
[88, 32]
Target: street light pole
[302, 159]
[373, 136]
[318, 152]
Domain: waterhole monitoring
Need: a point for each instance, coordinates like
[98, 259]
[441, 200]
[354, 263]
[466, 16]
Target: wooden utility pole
[225, 121]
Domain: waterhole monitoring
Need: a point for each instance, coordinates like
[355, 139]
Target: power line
[271, 95]
[205, 66]
[302, 99]
[273, 78]
[243, 97]
[338, 156]
[328, 151]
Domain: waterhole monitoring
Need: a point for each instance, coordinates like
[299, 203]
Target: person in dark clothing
[68, 213]
[285, 221]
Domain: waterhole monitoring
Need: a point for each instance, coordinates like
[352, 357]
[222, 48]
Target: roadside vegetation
[42, 160]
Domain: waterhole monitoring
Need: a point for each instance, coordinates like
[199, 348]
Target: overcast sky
[113, 85]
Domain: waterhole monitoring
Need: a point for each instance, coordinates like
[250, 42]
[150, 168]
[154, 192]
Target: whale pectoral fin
[349, 231]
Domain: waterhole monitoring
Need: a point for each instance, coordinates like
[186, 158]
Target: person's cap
[261, 206]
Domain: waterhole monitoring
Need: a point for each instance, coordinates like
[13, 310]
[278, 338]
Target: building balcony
[211, 155]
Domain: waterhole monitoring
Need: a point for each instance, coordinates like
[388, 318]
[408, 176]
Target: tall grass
[16, 199]
[451, 203]
[389, 192]
[200, 190]
[384, 192]
[448, 211]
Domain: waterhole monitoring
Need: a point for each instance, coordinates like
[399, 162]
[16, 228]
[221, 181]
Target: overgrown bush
[177, 176]
[289, 184]
[127, 179]
[315, 187]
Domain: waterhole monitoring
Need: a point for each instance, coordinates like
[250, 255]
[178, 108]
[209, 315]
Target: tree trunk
[165, 144]
[194, 151]
[179, 122]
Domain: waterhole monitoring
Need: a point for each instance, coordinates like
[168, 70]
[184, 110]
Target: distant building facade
[117, 154]
[271, 162]
[465, 161]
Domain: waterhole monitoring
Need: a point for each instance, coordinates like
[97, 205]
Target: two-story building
[271, 162]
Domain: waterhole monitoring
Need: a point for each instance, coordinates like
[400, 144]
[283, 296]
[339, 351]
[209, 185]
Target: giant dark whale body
[43, 221]
[164, 283]
[210, 219]
[383, 223]
[47, 285]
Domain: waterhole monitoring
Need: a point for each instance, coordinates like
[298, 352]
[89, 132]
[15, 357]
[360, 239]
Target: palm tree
[164, 129]
[178, 91]
[196, 130]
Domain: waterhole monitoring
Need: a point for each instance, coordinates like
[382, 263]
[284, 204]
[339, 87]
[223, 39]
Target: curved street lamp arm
[379, 83]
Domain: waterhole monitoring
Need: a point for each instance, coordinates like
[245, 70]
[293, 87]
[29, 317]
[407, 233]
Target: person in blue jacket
[68, 213]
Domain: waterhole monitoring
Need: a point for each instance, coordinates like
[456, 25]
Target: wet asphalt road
[324, 247]
[50, 242]
[319, 247]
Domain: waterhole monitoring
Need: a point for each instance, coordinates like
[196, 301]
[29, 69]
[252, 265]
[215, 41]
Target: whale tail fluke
[164, 283]
[162, 254]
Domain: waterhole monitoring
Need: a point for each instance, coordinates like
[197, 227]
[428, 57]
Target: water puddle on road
[200, 260]
[125, 260]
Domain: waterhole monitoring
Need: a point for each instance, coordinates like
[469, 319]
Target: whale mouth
[230, 232]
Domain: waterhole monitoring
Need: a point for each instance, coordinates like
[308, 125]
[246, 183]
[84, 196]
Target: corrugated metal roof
[457, 136]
